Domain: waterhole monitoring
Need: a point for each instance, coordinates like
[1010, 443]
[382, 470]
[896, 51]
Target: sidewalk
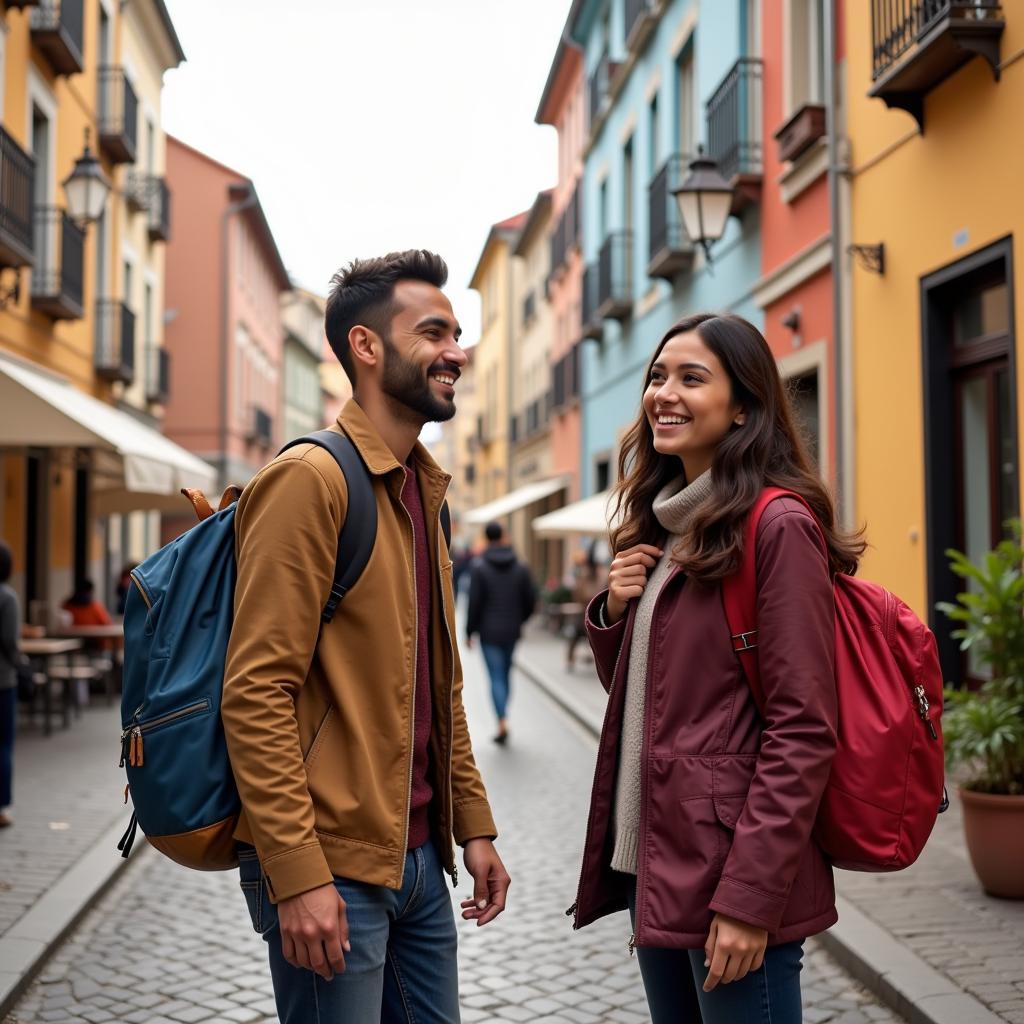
[61, 851]
[927, 940]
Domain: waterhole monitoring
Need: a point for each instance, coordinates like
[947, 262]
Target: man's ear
[363, 344]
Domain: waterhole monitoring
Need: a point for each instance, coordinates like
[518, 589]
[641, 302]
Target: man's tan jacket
[320, 735]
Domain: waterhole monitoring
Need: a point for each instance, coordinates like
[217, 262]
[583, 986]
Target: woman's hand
[732, 949]
[627, 577]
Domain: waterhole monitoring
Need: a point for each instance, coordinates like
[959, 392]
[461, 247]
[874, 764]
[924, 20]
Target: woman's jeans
[674, 983]
[8, 716]
[498, 658]
[402, 966]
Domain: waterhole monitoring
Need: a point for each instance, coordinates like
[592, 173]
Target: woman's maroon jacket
[727, 799]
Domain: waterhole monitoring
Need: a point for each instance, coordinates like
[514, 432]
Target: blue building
[664, 76]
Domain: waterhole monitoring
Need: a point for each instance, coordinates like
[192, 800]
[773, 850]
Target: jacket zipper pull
[138, 748]
[455, 878]
[125, 733]
[924, 710]
[571, 912]
[126, 795]
[631, 945]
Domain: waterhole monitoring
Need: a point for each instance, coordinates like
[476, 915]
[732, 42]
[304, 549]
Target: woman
[701, 813]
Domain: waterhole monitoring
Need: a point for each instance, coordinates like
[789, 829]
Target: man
[502, 596]
[349, 741]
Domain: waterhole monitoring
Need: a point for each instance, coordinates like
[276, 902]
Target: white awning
[136, 467]
[517, 499]
[586, 518]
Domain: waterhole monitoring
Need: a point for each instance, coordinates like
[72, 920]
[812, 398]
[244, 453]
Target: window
[653, 148]
[602, 210]
[627, 185]
[147, 314]
[602, 474]
[686, 102]
[806, 53]
[803, 392]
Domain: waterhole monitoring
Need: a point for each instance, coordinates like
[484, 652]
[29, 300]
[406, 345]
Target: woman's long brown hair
[766, 451]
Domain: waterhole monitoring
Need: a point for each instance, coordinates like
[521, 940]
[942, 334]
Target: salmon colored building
[795, 291]
[225, 279]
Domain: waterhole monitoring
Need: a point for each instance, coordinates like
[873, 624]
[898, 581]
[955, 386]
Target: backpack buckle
[746, 641]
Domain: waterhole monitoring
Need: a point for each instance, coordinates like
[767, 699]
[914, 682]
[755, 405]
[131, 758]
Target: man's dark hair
[493, 532]
[364, 293]
[6, 562]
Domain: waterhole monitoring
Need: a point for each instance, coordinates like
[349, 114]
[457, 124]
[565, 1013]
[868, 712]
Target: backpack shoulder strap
[359, 531]
[739, 595]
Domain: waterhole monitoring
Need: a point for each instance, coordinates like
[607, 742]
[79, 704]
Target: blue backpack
[177, 623]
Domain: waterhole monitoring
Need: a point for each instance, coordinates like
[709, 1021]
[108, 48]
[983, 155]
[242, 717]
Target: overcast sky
[372, 125]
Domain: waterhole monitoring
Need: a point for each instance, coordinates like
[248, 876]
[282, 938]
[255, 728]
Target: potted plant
[984, 728]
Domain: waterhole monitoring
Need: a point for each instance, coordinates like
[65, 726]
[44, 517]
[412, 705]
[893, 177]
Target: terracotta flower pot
[994, 829]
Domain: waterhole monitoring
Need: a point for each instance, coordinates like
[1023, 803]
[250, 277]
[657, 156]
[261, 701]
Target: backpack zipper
[131, 737]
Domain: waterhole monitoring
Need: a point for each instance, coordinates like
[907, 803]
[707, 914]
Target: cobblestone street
[169, 945]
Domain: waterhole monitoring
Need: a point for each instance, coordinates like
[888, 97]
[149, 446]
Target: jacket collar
[378, 457]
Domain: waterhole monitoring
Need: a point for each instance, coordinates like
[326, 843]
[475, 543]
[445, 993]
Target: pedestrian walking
[502, 596]
[702, 810]
[348, 740]
[10, 660]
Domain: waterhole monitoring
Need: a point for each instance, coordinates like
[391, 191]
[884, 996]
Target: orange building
[225, 279]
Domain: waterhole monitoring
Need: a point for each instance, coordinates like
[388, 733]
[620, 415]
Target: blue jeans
[498, 658]
[8, 716]
[674, 983]
[402, 966]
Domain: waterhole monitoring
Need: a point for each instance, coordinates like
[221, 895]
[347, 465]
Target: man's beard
[406, 383]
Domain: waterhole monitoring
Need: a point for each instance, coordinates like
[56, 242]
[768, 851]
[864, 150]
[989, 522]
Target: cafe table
[41, 651]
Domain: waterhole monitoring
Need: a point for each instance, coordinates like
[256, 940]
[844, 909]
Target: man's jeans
[402, 966]
[498, 659]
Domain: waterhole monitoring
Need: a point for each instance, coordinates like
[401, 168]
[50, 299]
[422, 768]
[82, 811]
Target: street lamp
[86, 188]
[705, 201]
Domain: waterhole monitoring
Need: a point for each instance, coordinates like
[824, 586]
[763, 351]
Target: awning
[586, 518]
[136, 467]
[516, 499]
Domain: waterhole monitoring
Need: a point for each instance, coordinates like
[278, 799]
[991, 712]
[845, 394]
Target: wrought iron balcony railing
[592, 327]
[566, 234]
[916, 44]
[58, 270]
[17, 174]
[151, 194]
[670, 250]
[58, 29]
[115, 341]
[118, 115]
[734, 128]
[615, 276]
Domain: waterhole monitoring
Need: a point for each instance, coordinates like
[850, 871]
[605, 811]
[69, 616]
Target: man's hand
[490, 882]
[732, 949]
[314, 931]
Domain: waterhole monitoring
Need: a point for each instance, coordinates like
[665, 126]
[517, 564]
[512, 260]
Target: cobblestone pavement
[167, 945]
[67, 793]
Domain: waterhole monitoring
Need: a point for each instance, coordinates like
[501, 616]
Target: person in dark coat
[502, 596]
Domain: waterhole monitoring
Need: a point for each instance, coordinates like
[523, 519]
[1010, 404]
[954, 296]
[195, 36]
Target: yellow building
[82, 303]
[492, 358]
[935, 165]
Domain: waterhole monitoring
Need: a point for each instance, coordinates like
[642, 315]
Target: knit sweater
[673, 506]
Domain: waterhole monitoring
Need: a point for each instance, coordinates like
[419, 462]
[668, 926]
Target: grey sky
[371, 125]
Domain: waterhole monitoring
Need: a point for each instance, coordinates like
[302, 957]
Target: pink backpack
[886, 784]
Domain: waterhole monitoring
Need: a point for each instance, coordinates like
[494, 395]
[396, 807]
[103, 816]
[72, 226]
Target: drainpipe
[239, 206]
[834, 212]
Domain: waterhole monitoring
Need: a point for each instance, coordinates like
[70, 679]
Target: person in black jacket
[502, 596]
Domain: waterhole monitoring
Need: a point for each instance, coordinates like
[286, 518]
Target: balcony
[58, 271]
[57, 28]
[115, 341]
[917, 44]
[17, 174]
[566, 235]
[118, 116]
[261, 426]
[158, 374]
[641, 20]
[615, 277]
[599, 89]
[734, 130]
[149, 193]
[593, 329]
[670, 251]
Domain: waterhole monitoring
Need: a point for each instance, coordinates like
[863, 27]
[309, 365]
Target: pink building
[225, 278]
[562, 106]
